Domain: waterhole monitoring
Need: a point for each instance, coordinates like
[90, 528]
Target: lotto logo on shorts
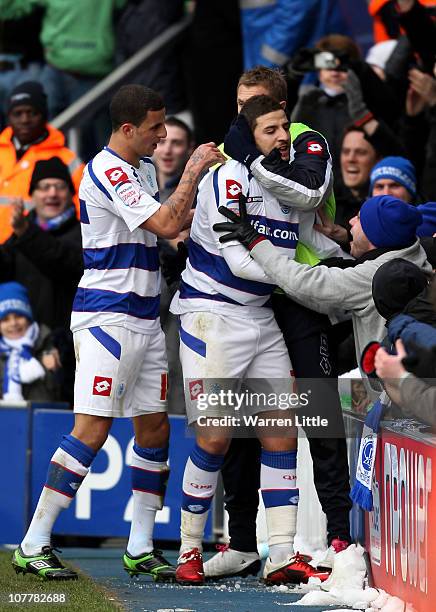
[314, 148]
[116, 175]
[102, 386]
[233, 189]
[195, 388]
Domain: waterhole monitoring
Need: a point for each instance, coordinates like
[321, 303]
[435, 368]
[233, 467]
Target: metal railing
[100, 95]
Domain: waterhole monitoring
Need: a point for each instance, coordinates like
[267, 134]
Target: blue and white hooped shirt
[121, 282]
[223, 277]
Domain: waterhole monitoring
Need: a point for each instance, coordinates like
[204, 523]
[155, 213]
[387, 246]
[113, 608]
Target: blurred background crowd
[360, 72]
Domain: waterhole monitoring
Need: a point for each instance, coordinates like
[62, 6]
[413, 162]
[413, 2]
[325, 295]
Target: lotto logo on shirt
[102, 386]
[314, 148]
[195, 388]
[233, 189]
[116, 175]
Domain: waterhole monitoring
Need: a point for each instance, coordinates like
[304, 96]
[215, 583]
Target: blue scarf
[53, 224]
[361, 493]
[21, 367]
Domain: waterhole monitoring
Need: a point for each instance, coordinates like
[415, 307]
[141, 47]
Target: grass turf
[82, 594]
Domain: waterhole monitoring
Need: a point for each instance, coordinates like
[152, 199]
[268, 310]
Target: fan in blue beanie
[389, 222]
[428, 225]
[398, 169]
[18, 364]
[14, 299]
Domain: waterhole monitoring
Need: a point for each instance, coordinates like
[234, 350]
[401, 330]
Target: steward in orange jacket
[27, 139]
[383, 12]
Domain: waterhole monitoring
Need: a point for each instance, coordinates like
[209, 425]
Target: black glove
[240, 229]
[421, 362]
[172, 262]
[239, 142]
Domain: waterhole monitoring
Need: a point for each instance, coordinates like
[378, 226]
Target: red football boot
[190, 568]
[293, 570]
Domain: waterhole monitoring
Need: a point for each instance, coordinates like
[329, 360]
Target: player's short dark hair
[257, 106]
[131, 104]
[175, 122]
[271, 78]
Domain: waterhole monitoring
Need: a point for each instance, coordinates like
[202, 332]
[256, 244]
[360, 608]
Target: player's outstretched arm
[237, 257]
[305, 183]
[320, 288]
[169, 220]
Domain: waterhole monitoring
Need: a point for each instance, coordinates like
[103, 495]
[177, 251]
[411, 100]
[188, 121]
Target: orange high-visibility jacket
[15, 175]
[374, 6]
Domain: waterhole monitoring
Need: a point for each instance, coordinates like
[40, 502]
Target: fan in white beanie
[378, 56]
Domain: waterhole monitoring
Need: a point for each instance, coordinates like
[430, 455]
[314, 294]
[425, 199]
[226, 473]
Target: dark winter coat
[410, 330]
[419, 340]
[49, 264]
[327, 115]
[141, 22]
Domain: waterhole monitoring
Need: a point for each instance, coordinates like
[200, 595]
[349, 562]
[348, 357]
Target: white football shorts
[215, 347]
[119, 372]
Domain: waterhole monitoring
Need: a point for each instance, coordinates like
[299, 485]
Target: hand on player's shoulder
[205, 156]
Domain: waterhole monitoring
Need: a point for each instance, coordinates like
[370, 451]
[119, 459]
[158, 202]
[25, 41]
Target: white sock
[199, 485]
[64, 477]
[192, 530]
[148, 484]
[281, 524]
[280, 497]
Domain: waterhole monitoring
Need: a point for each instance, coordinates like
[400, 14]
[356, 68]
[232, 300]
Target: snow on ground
[347, 586]
[346, 589]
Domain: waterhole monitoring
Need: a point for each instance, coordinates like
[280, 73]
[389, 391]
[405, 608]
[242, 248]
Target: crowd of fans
[377, 112]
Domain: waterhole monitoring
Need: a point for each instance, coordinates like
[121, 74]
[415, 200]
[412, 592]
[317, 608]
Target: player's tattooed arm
[168, 221]
[180, 201]
[176, 207]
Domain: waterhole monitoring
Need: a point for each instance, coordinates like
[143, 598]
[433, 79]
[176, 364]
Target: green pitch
[81, 595]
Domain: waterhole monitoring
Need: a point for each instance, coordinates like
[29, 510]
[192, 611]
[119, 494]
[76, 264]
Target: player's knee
[214, 445]
[92, 431]
[279, 445]
[152, 430]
